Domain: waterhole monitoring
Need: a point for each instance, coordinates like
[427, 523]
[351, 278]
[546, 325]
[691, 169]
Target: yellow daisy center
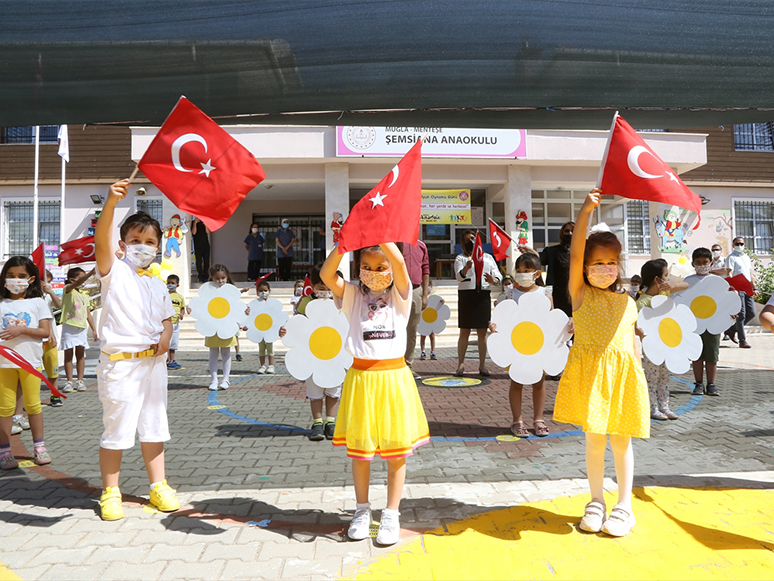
[429, 315]
[325, 343]
[670, 332]
[218, 308]
[527, 338]
[263, 322]
[703, 307]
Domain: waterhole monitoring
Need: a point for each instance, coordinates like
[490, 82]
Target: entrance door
[309, 248]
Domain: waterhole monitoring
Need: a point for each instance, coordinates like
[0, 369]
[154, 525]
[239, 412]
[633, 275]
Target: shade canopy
[511, 63]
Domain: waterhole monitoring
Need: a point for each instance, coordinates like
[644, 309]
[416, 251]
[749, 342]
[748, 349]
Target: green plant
[764, 277]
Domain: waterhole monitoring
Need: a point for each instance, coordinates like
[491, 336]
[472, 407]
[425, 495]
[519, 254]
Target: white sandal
[619, 523]
[593, 517]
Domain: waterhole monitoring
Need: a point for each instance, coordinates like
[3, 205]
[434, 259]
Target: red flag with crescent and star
[741, 284]
[633, 170]
[478, 258]
[501, 242]
[77, 251]
[21, 362]
[263, 278]
[199, 166]
[389, 212]
[308, 287]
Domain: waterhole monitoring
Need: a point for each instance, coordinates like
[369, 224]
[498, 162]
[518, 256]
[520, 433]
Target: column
[181, 266]
[336, 205]
[517, 195]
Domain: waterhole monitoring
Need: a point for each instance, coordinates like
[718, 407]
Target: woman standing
[201, 243]
[254, 246]
[285, 238]
[475, 306]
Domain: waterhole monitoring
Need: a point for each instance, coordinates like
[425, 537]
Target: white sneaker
[270, 369]
[360, 525]
[16, 430]
[619, 523]
[22, 421]
[262, 370]
[80, 386]
[594, 517]
[68, 387]
[389, 528]
[214, 385]
[224, 384]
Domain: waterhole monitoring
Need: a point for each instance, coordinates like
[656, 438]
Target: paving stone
[32, 573]
[244, 552]
[193, 571]
[263, 569]
[141, 572]
[161, 552]
[67, 572]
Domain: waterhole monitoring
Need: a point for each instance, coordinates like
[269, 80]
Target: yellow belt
[119, 356]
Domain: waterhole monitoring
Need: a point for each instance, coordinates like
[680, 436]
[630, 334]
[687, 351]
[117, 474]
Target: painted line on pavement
[214, 404]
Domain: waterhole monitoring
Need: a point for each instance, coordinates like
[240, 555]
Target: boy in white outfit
[136, 326]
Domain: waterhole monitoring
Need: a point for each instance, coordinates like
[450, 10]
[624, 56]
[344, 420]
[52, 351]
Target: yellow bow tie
[143, 272]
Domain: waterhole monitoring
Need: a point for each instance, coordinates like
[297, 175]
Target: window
[155, 208]
[754, 137]
[638, 226]
[754, 220]
[18, 220]
[48, 134]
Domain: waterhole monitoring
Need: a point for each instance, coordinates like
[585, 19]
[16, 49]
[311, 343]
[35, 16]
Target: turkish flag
[389, 212]
[21, 362]
[77, 251]
[39, 258]
[478, 258]
[199, 166]
[633, 170]
[741, 284]
[263, 278]
[501, 242]
[308, 288]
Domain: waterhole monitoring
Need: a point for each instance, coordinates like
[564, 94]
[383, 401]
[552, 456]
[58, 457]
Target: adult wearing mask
[475, 305]
[254, 245]
[284, 238]
[718, 264]
[739, 263]
[418, 266]
[200, 235]
[557, 259]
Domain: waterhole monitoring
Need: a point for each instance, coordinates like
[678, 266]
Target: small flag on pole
[64, 143]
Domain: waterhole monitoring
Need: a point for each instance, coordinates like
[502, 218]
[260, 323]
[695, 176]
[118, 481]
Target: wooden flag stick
[134, 173]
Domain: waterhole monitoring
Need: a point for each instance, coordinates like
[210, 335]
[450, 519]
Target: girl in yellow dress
[603, 388]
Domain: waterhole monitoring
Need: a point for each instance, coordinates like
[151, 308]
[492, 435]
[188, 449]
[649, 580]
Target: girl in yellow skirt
[603, 388]
[380, 410]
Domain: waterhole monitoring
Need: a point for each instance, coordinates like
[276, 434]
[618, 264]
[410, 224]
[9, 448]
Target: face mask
[140, 255]
[469, 246]
[172, 287]
[324, 294]
[634, 287]
[285, 225]
[602, 275]
[376, 281]
[298, 292]
[739, 248]
[254, 230]
[263, 295]
[703, 269]
[717, 253]
[508, 292]
[525, 279]
[17, 286]
[565, 238]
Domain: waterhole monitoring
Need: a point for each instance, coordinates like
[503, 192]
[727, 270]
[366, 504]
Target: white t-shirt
[377, 322]
[133, 308]
[468, 282]
[739, 264]
[24, 313]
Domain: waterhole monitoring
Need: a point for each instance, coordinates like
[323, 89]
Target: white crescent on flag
[178, 144]
[633, 159]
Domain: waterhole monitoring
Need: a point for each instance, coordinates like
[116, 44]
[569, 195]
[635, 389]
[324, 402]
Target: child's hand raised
[119, 190]
[592, 200]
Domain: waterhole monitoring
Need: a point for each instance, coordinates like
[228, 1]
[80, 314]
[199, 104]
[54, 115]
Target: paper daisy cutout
[264, 321]
[434, 317]
[316, 344]
[670, 334]
[218, 310]
[530, 339]
[710, 302]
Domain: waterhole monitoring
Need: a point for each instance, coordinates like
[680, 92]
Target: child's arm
[665, 285]
[182, 311]
[83, 277]
[767, 317]
[328, 273]
[103, 233]
[42, 332]
[90, 320]
[399, 271]
[576, 286]
[56, 300]
[163, 345]
[637, 351]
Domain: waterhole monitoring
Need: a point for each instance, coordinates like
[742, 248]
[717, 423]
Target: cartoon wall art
[721, 224]
[264, 320]
[434, 316]
[174, 235]
[336, 224]
[670, 230]
[530, 338]
[670, 334]
[712, 303]
[316, 344]
[522, 223]
[218, 310]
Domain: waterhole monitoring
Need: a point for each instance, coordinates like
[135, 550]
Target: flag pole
[35, 217]
[62, 205]
[134, 173]
[604, 161]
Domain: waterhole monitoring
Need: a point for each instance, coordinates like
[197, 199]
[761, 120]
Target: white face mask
[254, 230]
[140, 255]
[634, 287]
[17, 286]
[323, 294]
[703, 269]
[739, 248]
[298, 291]
[263, 295]
[717, 253]
[524, 279]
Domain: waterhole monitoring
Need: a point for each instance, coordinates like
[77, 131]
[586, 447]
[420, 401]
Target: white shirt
[739, 264]
[377, 322]
[133, 308]
[24, 313]
[468, 282]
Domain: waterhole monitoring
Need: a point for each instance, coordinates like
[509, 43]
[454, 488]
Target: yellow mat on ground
[7, 575]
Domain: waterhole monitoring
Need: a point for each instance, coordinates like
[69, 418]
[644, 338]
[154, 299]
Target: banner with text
[445, 207]
[363, 141]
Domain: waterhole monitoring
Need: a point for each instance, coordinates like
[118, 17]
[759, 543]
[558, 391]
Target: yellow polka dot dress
[603, 388]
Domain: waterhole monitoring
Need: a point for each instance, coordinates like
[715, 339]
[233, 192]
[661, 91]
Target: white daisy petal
[265, 319]
[711, 302]
[671, 334]
[218, 310]
[433, 318]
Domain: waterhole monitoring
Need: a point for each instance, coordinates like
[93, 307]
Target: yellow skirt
[217, 342]
[380, 411]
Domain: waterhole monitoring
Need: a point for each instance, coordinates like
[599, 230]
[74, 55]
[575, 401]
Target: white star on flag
[206, 168]
[377, 200]
[673, 177]
[79, 251]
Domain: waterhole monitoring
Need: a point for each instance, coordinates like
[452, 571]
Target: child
[298, 290]
[380, 411]
[507, 290]
[314, 393]
[178, 302]
[423, 355]
[26, 323]
[75, 317]
[710, 352]
[50, 351]
[220, 275]
[529, 280]
[654, 281]
[635, 283]
[603, 388]
[263, 290]
[136, 325]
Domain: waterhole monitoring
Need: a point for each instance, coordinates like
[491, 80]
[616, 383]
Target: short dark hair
[216, 268]
[701, 252]
[314, 274]
[650, 270]
[74, 272]
[636, 278]
[530, 260]
[142, 221]
[173, 277]
[34, 290]
[737, 238]
[263, 284]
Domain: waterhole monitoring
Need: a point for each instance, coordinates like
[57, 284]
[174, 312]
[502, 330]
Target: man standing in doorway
[285, 238]
[201, 243]
[418, 266]
[739, 263]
